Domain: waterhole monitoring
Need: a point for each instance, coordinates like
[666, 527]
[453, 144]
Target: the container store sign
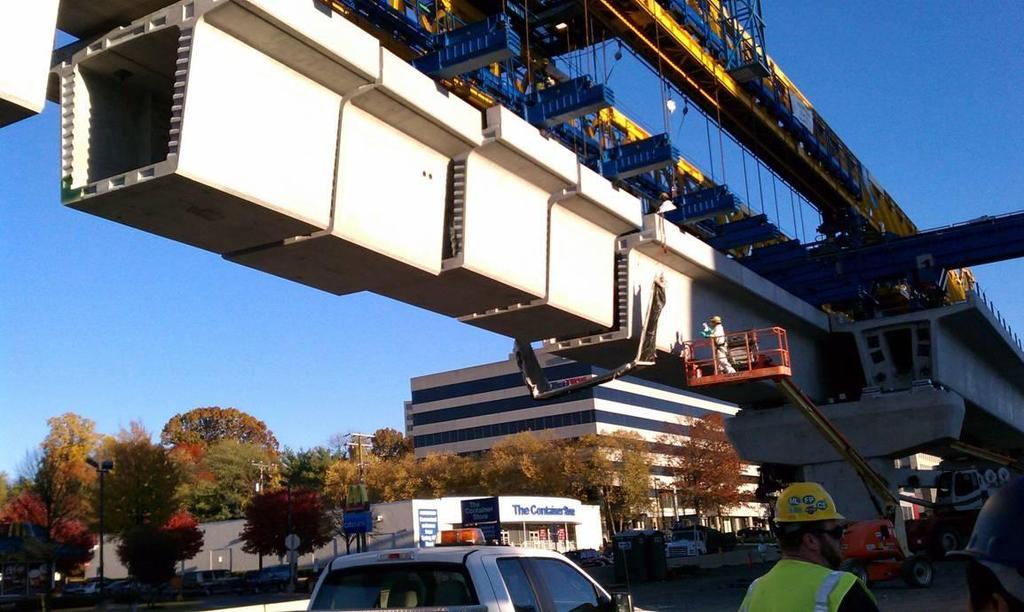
[540, 510]
[483, 513]
[428, 527]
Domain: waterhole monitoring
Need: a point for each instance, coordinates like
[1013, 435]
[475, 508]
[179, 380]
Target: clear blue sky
[119, 325]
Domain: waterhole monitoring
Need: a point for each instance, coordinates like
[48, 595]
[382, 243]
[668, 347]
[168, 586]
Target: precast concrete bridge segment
[375, 180]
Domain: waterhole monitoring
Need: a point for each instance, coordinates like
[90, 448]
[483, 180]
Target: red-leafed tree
[183, 528]
[148, 552]
[69, 542]
[266, 522]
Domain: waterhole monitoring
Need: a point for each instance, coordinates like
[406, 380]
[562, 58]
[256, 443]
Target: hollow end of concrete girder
[121, 106]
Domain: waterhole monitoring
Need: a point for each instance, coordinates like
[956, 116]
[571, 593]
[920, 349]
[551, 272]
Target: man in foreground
[807, 578]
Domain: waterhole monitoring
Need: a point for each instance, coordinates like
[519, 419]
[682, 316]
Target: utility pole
[360, 441]
[291, 553]
[263, 467]
[101, 467]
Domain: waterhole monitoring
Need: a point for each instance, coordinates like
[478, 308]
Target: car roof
[434, 554]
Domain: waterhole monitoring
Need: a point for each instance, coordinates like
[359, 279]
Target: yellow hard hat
[715, 319]
[803, 502]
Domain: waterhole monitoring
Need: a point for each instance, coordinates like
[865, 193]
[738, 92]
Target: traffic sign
[292, 541]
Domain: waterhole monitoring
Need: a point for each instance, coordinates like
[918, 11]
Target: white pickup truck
[464, 579]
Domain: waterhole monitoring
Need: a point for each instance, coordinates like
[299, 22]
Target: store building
[470, 409]
[552, 523]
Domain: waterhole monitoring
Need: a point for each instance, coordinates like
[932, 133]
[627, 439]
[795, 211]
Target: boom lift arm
[541, 389]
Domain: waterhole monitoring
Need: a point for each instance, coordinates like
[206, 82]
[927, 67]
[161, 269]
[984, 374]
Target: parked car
[270, 579]
[86, 587]
[704, 539]
[588, 557]
[210, 582]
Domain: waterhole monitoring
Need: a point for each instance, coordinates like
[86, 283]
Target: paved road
[722, 590]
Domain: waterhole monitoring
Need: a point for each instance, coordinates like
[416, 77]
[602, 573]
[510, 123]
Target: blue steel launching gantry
[456, 156]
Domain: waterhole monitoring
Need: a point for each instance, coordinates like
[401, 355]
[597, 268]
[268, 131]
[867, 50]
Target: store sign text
[535, 510]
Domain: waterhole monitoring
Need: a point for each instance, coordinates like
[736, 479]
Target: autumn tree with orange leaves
[708, 472]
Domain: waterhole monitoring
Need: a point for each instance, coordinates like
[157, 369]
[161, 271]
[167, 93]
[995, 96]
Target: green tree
[306, 469]
[204, 426]
[5, 488]
[389, 444]
[142, 489]
[224, 479]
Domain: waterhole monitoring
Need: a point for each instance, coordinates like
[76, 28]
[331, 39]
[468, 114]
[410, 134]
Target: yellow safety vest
[798, 586]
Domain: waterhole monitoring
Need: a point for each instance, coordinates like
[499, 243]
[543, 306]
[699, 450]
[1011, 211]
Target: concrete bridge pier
[883, 427]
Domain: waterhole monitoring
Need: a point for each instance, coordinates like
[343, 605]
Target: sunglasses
[836, 533]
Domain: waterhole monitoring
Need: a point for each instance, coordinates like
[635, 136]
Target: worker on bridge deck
[995, 573]
[807, 578]
[720, 344]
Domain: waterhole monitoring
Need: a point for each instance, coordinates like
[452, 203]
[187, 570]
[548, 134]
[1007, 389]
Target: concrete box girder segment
[583, 225]
[963, 347]
[26, 40]
[497, 251]
[387, 228]
[698, 282]
[165, 121]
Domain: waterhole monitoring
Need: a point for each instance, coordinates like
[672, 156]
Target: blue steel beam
[822, 271]
[703, 204]
[566, 101]
[751, 234]
[470, 47]
[639, 157]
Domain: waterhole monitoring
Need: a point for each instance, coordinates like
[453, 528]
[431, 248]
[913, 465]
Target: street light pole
[101, 467]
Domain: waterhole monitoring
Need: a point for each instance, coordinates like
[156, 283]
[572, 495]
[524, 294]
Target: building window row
[499, 406]
[505, 429]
